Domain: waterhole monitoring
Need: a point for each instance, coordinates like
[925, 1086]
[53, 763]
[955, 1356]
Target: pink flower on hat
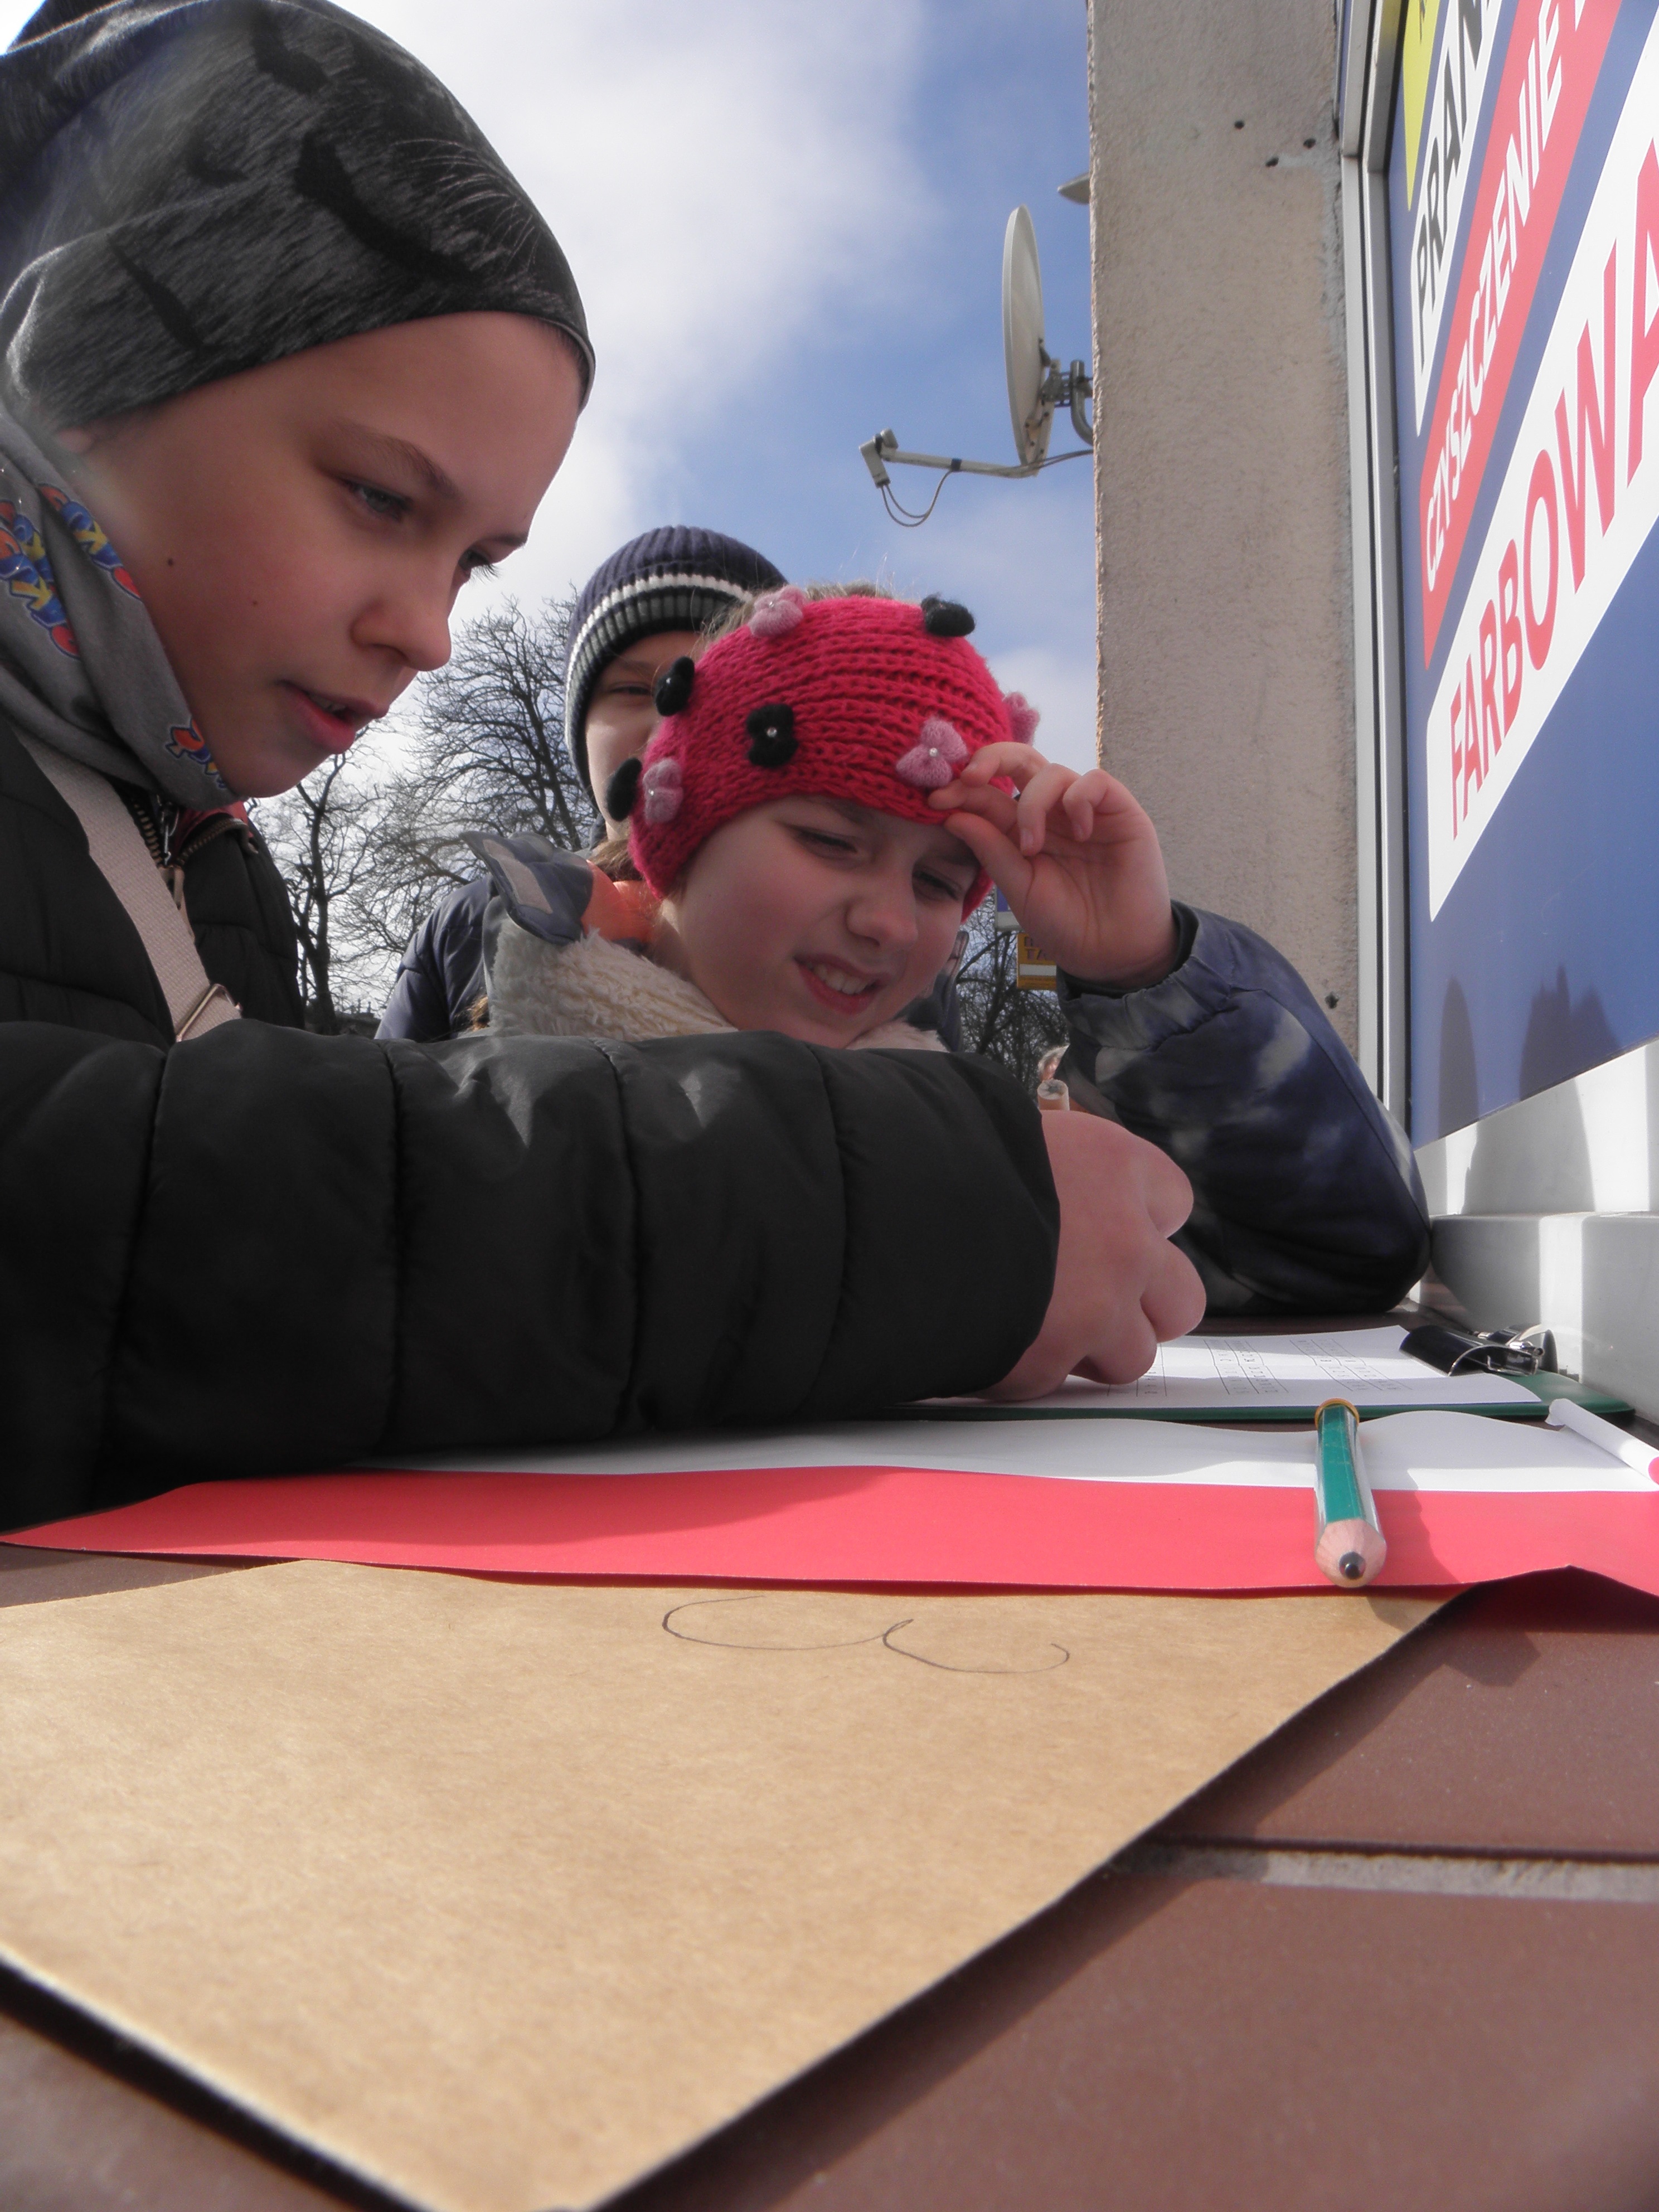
[776, 613]
[661, 788]
[934, 759]
[1023, 718]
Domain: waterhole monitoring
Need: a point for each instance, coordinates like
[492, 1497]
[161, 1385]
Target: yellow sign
[1416, 53]
[1035, 969]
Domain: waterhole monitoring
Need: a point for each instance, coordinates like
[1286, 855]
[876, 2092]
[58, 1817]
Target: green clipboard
[1548, 1387]
[1545, 1387]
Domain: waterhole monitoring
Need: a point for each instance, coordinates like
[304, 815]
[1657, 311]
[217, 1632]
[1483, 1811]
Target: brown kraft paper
[500, 1894]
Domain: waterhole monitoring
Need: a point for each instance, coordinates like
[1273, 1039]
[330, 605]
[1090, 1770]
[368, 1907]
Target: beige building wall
[1226, 682]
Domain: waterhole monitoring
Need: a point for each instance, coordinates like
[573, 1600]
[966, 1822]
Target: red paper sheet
[871, 1524]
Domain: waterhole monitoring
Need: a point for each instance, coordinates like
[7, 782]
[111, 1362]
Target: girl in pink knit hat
[834, 786]
[833, 783]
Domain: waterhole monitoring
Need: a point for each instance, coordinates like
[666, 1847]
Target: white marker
[1617, 1443]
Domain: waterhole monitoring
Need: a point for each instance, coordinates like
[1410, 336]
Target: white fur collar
[595, 989]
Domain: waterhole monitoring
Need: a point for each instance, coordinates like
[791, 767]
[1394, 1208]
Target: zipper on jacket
[158, 823]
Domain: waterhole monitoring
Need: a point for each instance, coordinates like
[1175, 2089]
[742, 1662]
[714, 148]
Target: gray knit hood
[191, 188]
[188, 189]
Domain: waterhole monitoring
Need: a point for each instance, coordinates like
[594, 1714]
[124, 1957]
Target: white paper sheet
[1418, 1450]
[1234, 1377]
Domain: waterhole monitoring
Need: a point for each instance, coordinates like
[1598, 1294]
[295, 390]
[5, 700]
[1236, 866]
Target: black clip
[1486, 1351]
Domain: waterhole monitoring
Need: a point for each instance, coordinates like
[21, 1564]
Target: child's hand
[1120, 1287]
[1075, 856]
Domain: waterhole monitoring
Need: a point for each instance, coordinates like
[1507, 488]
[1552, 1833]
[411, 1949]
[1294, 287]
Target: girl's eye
[823, 840]
[940, 887]
[475, 564]
[385, 504]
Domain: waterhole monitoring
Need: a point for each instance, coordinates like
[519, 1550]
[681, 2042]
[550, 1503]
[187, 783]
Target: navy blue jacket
[442, 973]
[1305, 1195]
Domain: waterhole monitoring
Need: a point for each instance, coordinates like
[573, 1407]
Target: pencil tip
[1351, 1567]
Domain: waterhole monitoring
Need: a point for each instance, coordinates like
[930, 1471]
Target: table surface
[1406, 1949]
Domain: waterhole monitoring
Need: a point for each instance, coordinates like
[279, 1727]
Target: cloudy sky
[787, 222]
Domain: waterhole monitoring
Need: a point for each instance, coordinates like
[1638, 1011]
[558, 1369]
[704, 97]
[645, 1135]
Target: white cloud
[725, 183]
[740, 190]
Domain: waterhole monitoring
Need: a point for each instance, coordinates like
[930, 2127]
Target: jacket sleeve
[441, 972]
[265, 1250]
[1306, 1197]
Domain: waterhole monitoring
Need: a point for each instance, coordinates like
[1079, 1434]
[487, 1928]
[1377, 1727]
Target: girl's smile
[838, 987]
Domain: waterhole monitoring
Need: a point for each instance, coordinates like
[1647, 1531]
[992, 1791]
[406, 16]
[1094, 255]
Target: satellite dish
[1024, 355]
[1037, 385]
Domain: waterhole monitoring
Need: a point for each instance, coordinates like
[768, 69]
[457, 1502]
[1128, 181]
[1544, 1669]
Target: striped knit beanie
[671, 579]
[862, 698]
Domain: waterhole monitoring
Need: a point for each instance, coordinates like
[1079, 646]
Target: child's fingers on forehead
[1116, 806]
[1091, 792]
[1078, 808]
[1004, 758]
[1045, 789]
[992, 846]
[961, 797]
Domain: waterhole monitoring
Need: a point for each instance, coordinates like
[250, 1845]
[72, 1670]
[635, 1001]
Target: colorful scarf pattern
[81, 668]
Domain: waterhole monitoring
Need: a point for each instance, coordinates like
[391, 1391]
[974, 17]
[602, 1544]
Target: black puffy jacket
[264, 1249]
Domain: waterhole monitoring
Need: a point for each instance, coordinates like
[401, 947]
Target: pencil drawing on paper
[807, 1620]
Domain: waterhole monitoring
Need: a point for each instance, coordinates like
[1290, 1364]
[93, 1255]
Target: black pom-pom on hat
[674, 686]
[772, 739]
[624, 788]
[945, 617]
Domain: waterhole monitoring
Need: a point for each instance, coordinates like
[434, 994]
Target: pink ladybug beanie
[873, 700]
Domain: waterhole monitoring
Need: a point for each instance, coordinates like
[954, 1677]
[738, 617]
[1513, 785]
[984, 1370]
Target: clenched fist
[1120, 1287]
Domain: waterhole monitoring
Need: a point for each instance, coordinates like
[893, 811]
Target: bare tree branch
[488, 745]
[487, 752]
[324, 837]
[1012, 1027]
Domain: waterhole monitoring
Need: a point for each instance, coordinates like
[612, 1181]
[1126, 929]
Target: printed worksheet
[1244, 1377]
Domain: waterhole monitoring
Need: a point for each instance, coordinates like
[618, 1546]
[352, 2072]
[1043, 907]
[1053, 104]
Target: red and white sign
[1579, 497]
[1451, 118]
[1555, 54]
[1082, 1503]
